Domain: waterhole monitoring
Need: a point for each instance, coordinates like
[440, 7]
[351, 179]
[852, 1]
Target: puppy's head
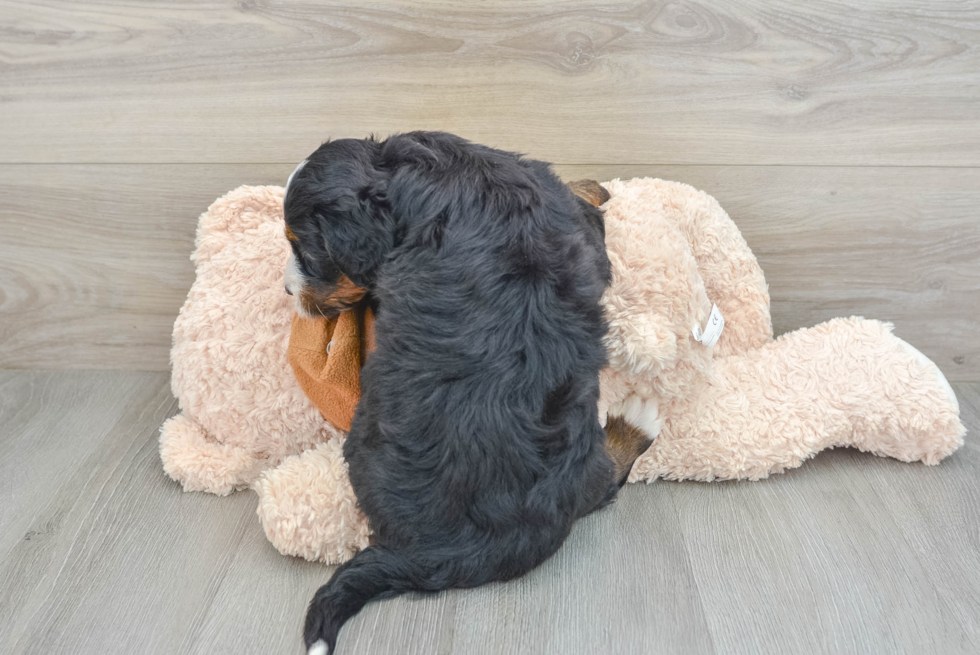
[339, 226]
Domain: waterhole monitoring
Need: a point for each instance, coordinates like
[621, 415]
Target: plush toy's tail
[375, 572]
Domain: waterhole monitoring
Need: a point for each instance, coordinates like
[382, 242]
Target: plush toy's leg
[308, 508]
[199, 463]
[847, 382]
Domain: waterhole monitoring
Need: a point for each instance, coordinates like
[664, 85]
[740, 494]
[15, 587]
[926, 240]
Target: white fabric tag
[712, 330]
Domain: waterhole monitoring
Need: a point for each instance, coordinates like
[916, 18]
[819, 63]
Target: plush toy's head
[242, 407]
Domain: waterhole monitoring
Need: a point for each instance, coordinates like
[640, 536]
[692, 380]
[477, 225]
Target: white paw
[644, 413]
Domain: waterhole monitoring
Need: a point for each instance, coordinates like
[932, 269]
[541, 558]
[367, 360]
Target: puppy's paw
[624, 443]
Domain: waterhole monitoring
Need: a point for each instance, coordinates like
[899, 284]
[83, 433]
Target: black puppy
[476, 443]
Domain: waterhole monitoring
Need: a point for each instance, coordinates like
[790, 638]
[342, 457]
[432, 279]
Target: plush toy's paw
[931, 367]
[640, 344]
[308, 508]
[925, 424]
[199, 463]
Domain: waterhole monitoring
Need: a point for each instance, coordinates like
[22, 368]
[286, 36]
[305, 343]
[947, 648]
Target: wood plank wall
[842, 137]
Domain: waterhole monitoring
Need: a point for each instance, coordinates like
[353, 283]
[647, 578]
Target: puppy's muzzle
[292, 278]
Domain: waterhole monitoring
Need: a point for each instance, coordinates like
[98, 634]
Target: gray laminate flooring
[101, 553]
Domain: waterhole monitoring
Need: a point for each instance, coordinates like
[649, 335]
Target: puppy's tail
[375, 572]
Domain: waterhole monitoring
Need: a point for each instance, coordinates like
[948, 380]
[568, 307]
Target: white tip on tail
[318, 648]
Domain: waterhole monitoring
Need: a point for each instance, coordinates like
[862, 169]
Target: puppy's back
[476, 442]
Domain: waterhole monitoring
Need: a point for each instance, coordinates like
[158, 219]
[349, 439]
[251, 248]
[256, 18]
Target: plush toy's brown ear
[590, 191]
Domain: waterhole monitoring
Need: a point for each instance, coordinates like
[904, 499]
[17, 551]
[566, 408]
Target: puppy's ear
[340, 197]
[359, 228]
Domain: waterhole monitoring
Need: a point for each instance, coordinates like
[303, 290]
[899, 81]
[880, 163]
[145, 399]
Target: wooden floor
[101, 553]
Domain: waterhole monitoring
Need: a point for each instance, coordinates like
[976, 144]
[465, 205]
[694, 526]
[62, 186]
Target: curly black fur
[476, 443]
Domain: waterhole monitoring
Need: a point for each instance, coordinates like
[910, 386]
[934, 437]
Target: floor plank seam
[193, 635]
[690, 565]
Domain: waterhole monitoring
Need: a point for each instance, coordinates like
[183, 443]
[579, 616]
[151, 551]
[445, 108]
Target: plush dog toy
[242, 409]
[692, 362]
[747, 406]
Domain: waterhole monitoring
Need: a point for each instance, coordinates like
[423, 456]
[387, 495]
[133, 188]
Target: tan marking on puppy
[347, 292]
[343, 297]
[290, 235]
[624, 443]
[590, 191]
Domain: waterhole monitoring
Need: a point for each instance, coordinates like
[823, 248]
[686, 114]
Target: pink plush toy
[749, 406]
[721, 405]
[242, 410]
